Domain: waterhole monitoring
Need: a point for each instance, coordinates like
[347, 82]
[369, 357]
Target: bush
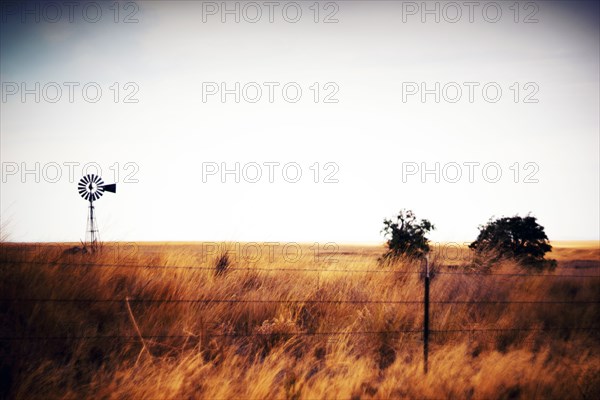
[406, 236]
[519, 238]
[222, 263]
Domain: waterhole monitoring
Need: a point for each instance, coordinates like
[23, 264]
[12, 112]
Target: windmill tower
[91, 188]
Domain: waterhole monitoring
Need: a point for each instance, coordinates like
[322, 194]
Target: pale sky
[371, 57]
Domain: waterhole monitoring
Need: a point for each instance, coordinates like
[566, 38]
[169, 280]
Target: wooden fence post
[426, 318]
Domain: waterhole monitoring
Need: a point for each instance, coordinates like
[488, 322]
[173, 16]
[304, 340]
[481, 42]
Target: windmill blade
[91, 187]
[110, 188]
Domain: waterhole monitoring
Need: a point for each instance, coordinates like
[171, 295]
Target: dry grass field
[177, 321]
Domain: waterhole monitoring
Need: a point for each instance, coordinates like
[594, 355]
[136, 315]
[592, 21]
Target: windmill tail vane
[91, 188]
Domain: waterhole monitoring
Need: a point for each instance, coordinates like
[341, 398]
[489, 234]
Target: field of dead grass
[158, 321]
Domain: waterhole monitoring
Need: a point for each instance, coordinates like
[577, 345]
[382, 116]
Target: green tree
[520, 238]
[406, 235]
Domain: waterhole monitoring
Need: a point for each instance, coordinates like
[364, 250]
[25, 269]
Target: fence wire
[280, 269]
[135, 338]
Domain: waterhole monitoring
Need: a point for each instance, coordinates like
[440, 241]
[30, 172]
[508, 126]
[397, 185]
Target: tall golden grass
[345, 328]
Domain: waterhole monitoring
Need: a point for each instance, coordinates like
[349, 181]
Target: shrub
[406, 236]
[519, 238]
[222, 263]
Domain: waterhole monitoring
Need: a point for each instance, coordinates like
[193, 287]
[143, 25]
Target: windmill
[91, 188]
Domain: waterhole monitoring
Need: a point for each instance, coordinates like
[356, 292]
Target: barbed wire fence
[301, 270]
[425, 303]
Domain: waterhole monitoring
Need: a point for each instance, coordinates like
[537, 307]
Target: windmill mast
[91, 188]
[92, 228]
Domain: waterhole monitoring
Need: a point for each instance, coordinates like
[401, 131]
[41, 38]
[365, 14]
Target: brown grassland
[169, 321]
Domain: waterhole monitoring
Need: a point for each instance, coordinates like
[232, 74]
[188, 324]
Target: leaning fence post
[426, 317]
